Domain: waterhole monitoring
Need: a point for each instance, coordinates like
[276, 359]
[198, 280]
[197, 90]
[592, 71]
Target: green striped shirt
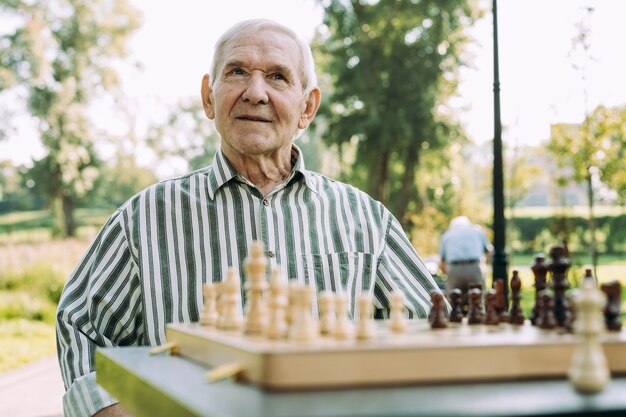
[147, 266]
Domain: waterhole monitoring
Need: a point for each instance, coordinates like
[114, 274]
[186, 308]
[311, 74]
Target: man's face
[257, 99]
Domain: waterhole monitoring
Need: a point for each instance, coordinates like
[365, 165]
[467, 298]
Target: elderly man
[463, 248]
[147, 266]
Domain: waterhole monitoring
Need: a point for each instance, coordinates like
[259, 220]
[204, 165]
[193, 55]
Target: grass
[24, 341]
[32, 277]
[33, 227]
[573, 211]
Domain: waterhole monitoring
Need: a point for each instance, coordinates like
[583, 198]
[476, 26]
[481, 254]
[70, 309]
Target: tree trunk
[592, 225]
[407, 185]
[378, 181]
[68, 217]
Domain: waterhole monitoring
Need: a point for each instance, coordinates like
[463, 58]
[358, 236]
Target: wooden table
[171, 386]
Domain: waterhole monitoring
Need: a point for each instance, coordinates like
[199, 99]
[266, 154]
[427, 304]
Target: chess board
[419, 356]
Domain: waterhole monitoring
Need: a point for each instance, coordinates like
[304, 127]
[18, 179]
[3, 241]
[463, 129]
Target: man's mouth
[251, 118]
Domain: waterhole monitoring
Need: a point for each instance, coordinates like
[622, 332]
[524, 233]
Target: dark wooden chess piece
[437, 315]
[612, 308]
[456, 302]
[569, 326]
[491, 314]
[540, 272]
[501, 301]
[475, 314]
[546, 320]
[558, 267]
[516, 315]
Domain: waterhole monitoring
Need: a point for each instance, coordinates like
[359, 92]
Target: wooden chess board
[421, 355]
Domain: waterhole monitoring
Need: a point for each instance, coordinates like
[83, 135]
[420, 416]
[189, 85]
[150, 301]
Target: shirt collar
[222, 172]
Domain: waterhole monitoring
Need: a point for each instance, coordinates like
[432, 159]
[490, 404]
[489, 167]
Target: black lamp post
[500, 258]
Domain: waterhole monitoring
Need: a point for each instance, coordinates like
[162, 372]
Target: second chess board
[421, 355]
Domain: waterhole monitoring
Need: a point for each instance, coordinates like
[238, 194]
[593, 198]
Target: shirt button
[266, 202]
[271, 254]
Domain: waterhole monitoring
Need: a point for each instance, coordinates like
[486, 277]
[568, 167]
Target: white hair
[460, 221]
[250, 27]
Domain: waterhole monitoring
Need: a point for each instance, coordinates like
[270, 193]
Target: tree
[522, 174]
[613, 132]
[392, 66]
[592, 154]
[59, 58]
[186, 136]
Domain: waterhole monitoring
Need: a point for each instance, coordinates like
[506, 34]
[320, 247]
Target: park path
[33, 390]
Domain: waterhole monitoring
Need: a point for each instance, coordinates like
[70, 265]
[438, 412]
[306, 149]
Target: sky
[538, 79]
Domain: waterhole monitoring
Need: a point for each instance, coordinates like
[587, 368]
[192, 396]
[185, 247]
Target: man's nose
[256, 90]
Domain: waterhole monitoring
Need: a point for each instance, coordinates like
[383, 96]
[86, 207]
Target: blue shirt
[463, 243]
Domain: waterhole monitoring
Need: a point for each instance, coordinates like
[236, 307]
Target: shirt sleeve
[401, 268]
[100, 306]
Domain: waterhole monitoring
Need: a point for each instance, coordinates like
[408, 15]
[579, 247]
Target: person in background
[147, 266]
[463, 250]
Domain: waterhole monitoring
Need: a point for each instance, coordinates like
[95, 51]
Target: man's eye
[237, 71]
[279, 76]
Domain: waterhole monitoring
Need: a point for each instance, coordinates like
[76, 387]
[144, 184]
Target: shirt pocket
[350, 272]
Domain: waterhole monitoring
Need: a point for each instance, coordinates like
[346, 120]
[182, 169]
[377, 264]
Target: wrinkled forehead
[269, 46]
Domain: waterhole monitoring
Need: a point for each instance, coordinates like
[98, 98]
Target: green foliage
[186, 135]
[119, 180]
[60, 54]
[391, 66]
[35, 226]
[15, 191]
[24, 341]
[536, 234]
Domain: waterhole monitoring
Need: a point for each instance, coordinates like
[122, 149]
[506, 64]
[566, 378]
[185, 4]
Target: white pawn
[209, 311]
[344, 329]
[291, 299]
[256, 286]
[366, 328]
[303, 327]
[277, 325]
[232, 316]
[589, 372]
[397, 320]
[327, 312]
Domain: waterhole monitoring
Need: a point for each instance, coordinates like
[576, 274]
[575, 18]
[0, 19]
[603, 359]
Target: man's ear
[205, 92]
[310, 110]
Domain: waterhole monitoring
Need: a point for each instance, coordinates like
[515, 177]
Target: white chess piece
[209, 311]
[232, 316]
[344, 329]
[303, 327]
[366, 328]
[327, 312]
[397, 320]
[277, 306]
[589, 372]
[256, 307]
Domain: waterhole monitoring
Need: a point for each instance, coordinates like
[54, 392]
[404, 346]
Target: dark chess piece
[540, 272]
[437, 314]
[475, 314]
[546, 313]
[501, 306]
[612, 308]
[558, 267]
[569, 325]
[456, 302]
[491, 314]
[516, 315]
